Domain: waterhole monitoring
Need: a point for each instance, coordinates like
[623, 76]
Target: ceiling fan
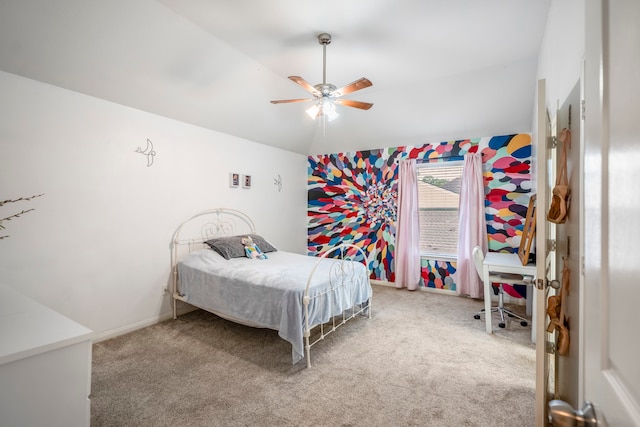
[325, 94]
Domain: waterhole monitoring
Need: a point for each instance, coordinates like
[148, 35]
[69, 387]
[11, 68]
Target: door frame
[539, 305]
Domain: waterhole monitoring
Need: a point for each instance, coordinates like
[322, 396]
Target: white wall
[562, 50]
[96, 248]
[560, 57]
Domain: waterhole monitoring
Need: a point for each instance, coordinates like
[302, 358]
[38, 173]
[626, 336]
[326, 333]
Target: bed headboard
[194, 231]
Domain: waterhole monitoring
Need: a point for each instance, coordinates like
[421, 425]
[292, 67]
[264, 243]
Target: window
[438, 198]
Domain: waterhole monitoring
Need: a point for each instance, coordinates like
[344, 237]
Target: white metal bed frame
[221, 222]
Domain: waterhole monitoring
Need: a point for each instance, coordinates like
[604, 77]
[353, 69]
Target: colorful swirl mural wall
[352, 197]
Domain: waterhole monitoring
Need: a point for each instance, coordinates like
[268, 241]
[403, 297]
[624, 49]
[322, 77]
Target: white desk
[504, 263]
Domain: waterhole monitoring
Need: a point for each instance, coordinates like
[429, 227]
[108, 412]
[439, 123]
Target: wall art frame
[246, 181]
[234, 180]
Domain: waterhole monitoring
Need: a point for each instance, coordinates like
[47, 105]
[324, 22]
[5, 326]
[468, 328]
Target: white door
[612, 210]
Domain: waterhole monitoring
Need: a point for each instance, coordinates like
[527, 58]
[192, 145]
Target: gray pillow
[232, 247]
[228, 247]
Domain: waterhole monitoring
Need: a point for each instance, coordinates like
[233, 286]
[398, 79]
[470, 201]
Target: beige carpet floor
[421, 360]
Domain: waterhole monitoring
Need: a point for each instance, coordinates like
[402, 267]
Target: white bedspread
[269, 293]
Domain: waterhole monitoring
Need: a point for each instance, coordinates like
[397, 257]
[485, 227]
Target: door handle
[561, 414]
[544, 284]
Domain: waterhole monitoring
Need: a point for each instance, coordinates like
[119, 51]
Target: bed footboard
[348, 295]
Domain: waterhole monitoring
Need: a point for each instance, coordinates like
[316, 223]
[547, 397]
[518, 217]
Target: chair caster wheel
[502, 325]
[476, 316]
[524, 323]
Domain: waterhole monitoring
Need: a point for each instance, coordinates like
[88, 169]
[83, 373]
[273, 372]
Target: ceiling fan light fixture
[313, 111]
[329, 110]
[326, 95]
[325, 108]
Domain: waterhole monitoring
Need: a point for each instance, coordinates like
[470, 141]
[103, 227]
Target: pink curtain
[472, 226]
[407, 254]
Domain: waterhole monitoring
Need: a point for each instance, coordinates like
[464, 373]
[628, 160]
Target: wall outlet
[165, 290]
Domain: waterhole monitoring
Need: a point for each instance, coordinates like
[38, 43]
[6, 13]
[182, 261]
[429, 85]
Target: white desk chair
[500, 278]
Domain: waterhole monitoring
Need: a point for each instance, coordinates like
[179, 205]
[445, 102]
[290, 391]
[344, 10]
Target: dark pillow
[228, 247]
[232, 247]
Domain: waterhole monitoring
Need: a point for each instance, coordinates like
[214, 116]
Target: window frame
[439, 256]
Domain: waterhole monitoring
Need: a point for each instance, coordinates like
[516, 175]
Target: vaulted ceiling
[441, 69]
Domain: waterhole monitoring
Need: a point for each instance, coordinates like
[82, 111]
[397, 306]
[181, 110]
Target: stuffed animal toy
[251, 249]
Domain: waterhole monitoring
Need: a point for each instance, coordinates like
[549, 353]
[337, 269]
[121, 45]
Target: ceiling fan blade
[304, 84]
[355, 104]
[284, 101]
[352, 87]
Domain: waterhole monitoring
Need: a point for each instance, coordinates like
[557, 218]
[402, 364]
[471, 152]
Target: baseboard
[381, 283]
[102, 336]
[508, 299]
[421, 288]
[113, 333]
